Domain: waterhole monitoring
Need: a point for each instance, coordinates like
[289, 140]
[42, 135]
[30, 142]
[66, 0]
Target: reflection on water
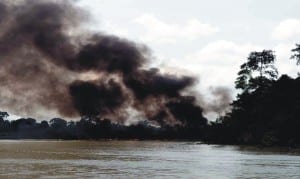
[142, 159]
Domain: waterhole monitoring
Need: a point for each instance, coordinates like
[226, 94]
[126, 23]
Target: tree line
[267, 109]
[96, 128]
[266, 112]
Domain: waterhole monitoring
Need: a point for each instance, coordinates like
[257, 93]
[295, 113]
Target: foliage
[296, 54]
[268, 109]
[257, 62]
[86, 128]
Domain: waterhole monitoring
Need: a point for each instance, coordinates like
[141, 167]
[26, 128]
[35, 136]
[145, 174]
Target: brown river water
[142, 159]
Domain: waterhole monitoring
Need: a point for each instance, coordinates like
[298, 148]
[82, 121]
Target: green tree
[244, 75]
[258, 71]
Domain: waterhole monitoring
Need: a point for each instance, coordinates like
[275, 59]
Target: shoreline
[283, 149]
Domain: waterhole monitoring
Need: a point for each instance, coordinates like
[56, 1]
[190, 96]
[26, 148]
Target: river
[142, 159]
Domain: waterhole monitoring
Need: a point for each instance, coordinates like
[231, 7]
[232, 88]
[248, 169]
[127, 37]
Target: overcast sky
[209, 39]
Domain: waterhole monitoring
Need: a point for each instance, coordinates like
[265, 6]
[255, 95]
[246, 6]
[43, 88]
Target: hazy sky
[209, 39]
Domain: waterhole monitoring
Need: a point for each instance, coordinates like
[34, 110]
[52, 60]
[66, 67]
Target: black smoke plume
[92, 99]
[46, 57]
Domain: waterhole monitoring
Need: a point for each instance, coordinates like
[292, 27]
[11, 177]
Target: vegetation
[266, 112]
[91, 129]
[261, 63]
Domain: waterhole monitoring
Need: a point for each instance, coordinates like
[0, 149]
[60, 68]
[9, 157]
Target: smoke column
[48, 63]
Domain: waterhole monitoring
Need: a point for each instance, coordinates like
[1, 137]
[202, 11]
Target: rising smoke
[43, 58]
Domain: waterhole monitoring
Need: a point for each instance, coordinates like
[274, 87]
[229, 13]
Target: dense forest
[57, 128]
[265, 112]
[267, 109]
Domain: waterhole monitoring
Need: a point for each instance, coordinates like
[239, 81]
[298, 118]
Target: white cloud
[115, 29]
[218, 62]
[162, 32]
[284, 64]
[222, 53]
[287, 29]
[108, 27]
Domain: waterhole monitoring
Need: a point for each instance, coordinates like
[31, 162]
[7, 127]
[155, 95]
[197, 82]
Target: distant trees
[4, 124]
[58, 123]
[3, 115]
[296, 54]
[258, 70]
[57, 128]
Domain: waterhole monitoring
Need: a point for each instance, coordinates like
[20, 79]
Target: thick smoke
[94, 98]
[43, 59]
[218, 102]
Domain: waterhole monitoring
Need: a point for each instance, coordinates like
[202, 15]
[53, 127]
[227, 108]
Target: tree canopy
[268, 109]
[257, 71]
